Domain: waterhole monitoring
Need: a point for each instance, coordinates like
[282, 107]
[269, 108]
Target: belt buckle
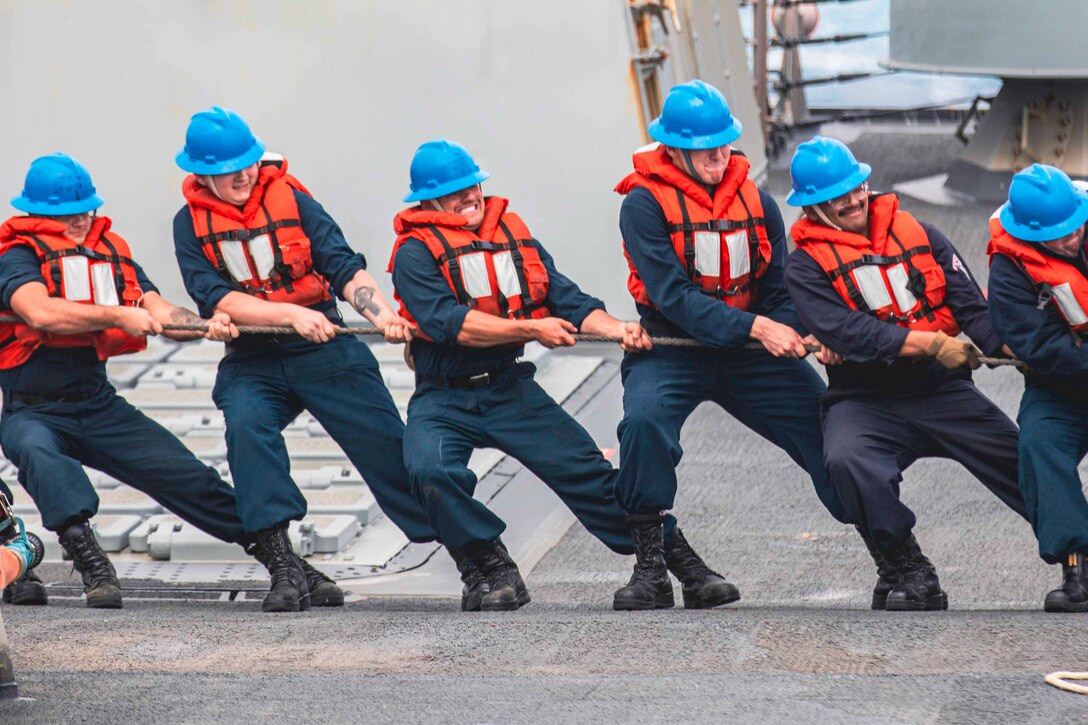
[479, 381]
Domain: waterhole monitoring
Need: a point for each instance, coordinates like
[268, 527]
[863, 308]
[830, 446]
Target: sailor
[1038, 294]
[705, 249]
[83, 299]
[888, 295]
[252, 242]
[469, 273]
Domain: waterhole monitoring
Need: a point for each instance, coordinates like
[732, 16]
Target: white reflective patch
[105, 293]
[739, 263]
[506, 274]
[260, 248]
[235, 257]
[871, 283]
[708, 254]
[897, 279]
[474, 275]
[1067, 301]
[77, 280]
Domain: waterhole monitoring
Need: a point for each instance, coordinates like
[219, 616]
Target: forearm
[483, 330]
[599, 322]
[63, 317]
[245, 309]
[364, 295]
[166, 313]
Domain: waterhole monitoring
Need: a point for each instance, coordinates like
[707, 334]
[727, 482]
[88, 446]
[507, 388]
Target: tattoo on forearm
[363, 301]
[182, 316]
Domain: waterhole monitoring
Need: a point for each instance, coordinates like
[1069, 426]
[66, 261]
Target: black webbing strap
[453, 265]
[210, 240]
[280, 275]
[754, 257]
[916, 281]
[244, 235]
[54, 265]
[118, 273]
[851, 288]
[689, 236]
[519, 264]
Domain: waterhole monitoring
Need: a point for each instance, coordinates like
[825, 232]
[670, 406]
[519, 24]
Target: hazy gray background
[346, 90]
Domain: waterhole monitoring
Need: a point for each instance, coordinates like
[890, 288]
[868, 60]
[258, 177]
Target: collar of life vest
[416, 217]
[21, 226]
[653, 162]
[882, 211]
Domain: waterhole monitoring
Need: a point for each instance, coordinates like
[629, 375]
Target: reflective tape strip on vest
[1057, 282]
[892, 275]
[495, 269]
[721, 241]
[261, 249]
[100, 272]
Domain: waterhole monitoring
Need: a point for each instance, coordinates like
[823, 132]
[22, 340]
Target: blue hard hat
[1044, 205]
[218, 141]
[57, 185]
[442, 167]
[823, 169]
[695, 116]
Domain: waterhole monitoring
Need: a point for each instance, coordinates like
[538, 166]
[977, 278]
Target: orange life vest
[1057, 282]
[98, 272]
[495, 269]
[261, 248]
[721, 242]
[891, 275]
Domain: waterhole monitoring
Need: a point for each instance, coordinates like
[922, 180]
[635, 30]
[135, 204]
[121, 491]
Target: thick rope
[1058, 679]
[665, 341]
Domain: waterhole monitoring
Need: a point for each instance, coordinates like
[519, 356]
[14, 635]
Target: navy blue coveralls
[264, 382]
[1053, 414]
[778, 398]
[512, 414]
[60, 414]
[883, 412]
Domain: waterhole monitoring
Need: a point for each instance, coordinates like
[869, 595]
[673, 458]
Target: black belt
[40, 399]
[470, 382]
[662, 328]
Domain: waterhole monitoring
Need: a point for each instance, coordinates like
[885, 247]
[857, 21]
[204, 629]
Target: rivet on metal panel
[1066, 121]
[1063, 136]
[1059, 151]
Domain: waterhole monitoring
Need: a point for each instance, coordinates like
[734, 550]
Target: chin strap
[823, 218]
[691, 167]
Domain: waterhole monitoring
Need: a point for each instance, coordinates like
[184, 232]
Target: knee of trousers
[849, 468]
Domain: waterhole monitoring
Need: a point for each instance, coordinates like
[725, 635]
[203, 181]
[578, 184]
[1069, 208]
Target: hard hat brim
[80, 206]
[1045, 234]
[433, 192]
[695, 143]
[229, 166]
[851, 182]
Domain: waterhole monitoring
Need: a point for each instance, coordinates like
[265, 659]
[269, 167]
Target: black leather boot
[475, 585]
[506, 589]
[702, 587]
[919, 589]
[322, 588]
[1073, 594]
[100, 582]
[887, 578]
[649, 586]
[27, 589]
[290, 592]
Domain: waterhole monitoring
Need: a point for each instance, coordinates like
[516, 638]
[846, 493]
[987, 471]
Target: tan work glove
[953, 352]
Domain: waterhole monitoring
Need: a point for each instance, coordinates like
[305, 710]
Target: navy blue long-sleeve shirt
[679, 302]
[1038, 337]
[332, 258]
[870, 346]
[51, 372]
[428, 297]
